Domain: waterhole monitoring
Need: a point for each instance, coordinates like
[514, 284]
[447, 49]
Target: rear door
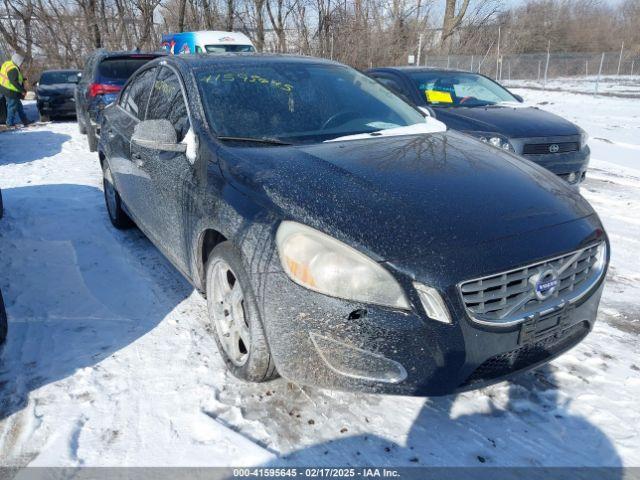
[83, 85]
[170, 180]
[121, 121]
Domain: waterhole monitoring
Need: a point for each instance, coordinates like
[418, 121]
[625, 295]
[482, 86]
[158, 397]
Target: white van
[207, 41]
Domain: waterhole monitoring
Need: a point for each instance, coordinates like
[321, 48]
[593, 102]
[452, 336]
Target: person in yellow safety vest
[13, 90]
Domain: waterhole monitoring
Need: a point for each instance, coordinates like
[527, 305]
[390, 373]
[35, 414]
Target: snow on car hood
[431, 125]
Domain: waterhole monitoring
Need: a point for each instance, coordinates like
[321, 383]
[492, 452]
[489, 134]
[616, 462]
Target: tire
[92, 139]
[235, 317]
[80, 118]
[3, 321]
[117, 215]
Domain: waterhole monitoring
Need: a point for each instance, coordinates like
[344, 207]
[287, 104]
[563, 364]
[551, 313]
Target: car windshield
[459, 89]
[228, 48]
[297, 102]
[51, 78]
[120, 68]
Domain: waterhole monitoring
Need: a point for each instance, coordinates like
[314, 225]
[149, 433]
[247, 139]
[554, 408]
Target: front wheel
[117, 215]
[234, 315]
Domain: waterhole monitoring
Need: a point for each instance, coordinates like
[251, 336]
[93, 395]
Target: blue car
[475, 104]
[100, 82]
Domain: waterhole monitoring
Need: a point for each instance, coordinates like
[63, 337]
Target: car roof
[194, 61]
[133, 53]
[406, 69]
[61, 70]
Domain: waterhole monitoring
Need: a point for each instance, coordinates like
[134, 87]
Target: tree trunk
[451, 22]
[181, 10]
[259, 5]
[231, 13]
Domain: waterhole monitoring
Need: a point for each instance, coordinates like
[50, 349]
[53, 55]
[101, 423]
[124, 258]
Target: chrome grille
[510, 297]
[546, 148]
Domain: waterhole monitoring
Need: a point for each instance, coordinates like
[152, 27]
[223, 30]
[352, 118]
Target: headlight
[584, 138]
[494, 139]
[325, 265]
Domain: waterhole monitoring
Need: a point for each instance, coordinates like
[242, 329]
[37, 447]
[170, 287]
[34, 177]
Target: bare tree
[452, 19]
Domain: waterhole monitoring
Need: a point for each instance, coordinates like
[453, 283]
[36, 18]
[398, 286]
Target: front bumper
[57, 106]
[332, 343]
[570, 166]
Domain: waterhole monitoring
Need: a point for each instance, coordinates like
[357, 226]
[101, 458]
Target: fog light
[573, 177]
[354, 362]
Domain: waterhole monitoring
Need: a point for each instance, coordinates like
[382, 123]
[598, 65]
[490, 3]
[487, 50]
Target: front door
[128, 176]
[170, 176]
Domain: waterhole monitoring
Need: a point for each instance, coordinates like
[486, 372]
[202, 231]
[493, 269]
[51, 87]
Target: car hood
[407, 196]
[57, 89]
[511, 121]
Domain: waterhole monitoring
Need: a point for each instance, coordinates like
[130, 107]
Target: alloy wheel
[229, 313]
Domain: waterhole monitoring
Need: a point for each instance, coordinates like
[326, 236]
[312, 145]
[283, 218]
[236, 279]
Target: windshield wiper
[267, 140]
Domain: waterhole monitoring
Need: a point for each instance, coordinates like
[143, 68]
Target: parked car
[208, 41]
[338, 244]
[55, 94]
[103, 76]
[475, 104]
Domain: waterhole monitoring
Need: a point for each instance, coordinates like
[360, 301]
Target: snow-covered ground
[109, 360]
[618, 86]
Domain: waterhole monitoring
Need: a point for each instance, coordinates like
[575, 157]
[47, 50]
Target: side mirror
[427, 111]
[518, 97]
[157, 135]
[79, 75]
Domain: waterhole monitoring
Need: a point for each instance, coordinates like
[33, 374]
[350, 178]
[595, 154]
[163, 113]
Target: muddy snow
[109, 360]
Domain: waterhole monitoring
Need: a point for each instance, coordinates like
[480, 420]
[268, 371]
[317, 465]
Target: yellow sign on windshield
[436, 96]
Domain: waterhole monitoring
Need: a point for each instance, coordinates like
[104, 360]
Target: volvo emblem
[554, 148]
[545, 283]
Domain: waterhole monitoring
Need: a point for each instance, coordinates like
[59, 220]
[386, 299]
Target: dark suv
[475, 104]
[103, 76]
[342, 239]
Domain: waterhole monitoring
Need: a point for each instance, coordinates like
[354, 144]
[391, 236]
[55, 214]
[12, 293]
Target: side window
[391, 84]
[137, 93]
[167, 102]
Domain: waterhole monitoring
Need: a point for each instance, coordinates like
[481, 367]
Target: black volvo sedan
[55, 93]
[477, 105]
[341, 239]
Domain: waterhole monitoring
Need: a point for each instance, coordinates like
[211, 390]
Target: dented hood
[406, 196]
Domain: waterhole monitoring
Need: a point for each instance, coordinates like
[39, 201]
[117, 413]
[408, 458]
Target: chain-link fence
[613, 73]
